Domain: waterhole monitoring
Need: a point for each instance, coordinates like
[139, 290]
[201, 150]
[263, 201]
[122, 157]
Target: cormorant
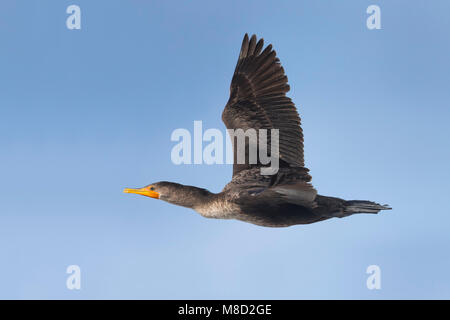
[258, 100]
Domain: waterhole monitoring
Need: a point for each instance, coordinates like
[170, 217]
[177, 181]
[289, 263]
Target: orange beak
[143, 191]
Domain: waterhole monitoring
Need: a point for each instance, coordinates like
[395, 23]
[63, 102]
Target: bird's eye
[152, 188]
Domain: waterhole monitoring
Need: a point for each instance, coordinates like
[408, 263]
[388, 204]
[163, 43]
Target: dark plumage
[258, 101]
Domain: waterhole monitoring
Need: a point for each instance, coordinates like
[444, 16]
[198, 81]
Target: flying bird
[258, 101]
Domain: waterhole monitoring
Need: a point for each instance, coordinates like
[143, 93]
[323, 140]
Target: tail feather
[360, 206]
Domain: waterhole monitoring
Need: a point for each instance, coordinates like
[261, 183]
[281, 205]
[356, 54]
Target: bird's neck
[193, 197]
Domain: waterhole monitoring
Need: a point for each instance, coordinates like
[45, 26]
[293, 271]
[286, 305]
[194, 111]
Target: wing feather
[258, 100]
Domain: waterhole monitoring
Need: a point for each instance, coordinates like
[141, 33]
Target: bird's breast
[219, 210]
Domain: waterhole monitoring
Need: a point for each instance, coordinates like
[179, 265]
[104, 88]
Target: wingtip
[251, 45]
[244, 47]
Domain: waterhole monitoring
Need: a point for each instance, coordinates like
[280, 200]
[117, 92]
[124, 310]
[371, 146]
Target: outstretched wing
[258, 100]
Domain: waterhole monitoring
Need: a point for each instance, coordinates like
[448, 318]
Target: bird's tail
[361, 206]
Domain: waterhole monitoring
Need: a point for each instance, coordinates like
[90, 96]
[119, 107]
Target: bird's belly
[283, 216]
[267, 216]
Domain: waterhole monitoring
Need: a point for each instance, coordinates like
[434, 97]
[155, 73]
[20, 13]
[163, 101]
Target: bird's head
[171, 192]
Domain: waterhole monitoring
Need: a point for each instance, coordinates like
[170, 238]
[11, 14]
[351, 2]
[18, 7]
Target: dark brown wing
[258, 100]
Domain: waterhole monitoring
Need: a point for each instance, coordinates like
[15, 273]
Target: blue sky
[85, 113]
